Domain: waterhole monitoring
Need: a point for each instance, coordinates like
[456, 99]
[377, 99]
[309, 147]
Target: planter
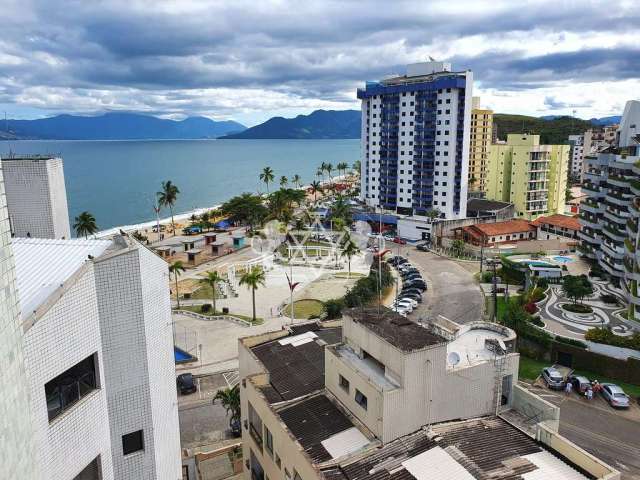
[576, 308]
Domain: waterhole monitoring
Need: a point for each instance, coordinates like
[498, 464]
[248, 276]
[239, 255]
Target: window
[361, 399]
[132, 442]
[278, 461]
[268, 440]
[344, 383]
[70, 386]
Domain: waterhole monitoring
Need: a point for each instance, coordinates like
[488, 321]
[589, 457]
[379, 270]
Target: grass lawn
[198, 309]
[346, 275]
[304, 308]
[502, 305]
[203, 293]
[530, 370]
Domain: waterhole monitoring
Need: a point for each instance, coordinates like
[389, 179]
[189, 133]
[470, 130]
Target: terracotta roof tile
[501, 228]
[559, 220]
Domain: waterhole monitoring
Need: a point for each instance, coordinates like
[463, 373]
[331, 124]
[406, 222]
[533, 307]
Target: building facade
[576, 155]
[99, 358]
[17, 442]
[36, 196]
[609, 215]
[415, 141]
[480, 143]
[531, 176]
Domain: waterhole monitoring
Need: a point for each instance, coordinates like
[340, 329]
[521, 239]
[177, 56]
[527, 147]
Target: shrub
[542, 283]
[607, 337]
[536, 321]
[577, 308]
[205, 308]
[531, 308]
[571, 341]
[536, 295]
[487, 277]
[333, 308]
[608, 298]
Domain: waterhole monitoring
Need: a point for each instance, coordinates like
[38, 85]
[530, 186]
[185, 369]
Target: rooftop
[480, 204]
[395, 329]
[465, 450]
[44, 265]
[296, 362]
[27, 156]
[501, 228]
[558, 220]
[323, 430]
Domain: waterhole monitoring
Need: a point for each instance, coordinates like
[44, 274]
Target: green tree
[212, 279]
[267, 176]
[246, 208]
[433, 213]
[253, 279]
[349, 249]
[204, 218]
[296, 180]
[356, 166]
[576, 287]
[341, 210]
[329, 168]
[342, 167]
[457, 247]
[167, 197]
[284, 181]
[315, 187]
[85, 225]
[230, 399]
[176, 268]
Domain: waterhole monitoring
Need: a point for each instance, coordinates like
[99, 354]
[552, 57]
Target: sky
[251, 60]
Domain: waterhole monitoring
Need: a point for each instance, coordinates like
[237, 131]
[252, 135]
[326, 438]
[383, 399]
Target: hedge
[607, 337]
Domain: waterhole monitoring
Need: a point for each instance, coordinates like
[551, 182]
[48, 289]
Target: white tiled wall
[67, 334]
[37, 198]
[16, 434]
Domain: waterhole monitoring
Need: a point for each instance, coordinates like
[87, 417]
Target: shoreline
[184, 215]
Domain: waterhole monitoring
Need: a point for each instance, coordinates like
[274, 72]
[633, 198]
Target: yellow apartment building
[480, 143]
[531, 176]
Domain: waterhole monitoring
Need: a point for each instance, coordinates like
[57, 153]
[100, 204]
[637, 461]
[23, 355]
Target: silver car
[615, 395]
[553, 377]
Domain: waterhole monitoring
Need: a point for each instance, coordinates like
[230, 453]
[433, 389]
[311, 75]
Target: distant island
[320, 124]
[116, 126]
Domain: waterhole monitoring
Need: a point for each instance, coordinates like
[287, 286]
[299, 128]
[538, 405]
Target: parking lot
[452, 290]
[610, 434]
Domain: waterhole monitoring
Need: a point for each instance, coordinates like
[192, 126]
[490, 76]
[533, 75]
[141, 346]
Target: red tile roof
[500, 228]
[559, 220]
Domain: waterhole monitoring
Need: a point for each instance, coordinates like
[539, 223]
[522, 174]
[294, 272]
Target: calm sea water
[117, 180]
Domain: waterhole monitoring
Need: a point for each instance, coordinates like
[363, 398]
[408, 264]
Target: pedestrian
[567, 388]
[589, 394]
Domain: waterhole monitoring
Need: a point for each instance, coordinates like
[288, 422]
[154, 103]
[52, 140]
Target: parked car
[412, 295]
[580, 383]
[423, 247]
[236, 428]
[410, 290]
[615, 395]
[553, 378]
[411, 301]
[412, 274]
[400, 310]
[417, 284]
[399, 241]
[404, 304]
[186, 384]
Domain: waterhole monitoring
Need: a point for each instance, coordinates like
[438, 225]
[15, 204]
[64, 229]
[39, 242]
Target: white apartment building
[98, 351]
[415, 141]
[576, 155]
[36, 196]
[16, 434]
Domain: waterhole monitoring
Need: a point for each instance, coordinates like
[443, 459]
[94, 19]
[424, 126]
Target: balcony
[618, 181]
[591, 189]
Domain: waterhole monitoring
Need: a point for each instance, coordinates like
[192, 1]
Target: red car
[399, 241]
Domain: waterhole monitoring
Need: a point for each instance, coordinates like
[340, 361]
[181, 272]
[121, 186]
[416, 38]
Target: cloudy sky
[250, 60]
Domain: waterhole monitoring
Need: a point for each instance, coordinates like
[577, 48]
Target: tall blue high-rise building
[415, 141]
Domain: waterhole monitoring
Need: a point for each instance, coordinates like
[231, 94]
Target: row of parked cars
[557, 377]
[412, 286]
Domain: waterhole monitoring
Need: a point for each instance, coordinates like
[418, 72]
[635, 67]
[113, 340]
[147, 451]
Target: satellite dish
[453, 358]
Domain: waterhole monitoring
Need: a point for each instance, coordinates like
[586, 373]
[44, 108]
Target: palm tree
[356, 166]
[342, 167]
[167, 198]
[85, 225]
[253, 279]
[320, 172]
[316, 187]
[205, 220]
[267, 176]
[212, 279]
[329, 168]
[284, 181]
[296, 180]
[230, 400]
[176, 268]
[349, 249]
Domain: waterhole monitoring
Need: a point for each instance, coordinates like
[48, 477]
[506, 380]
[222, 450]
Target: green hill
[552, 131]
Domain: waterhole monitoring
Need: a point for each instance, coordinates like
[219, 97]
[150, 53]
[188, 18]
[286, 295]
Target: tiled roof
[43, 265]
[480, 204]
[395, 329]
[501, 228]
[558, 220]
[295, 368]
[487, 448]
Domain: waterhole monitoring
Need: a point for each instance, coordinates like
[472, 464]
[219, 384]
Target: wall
[625, 371]
[66, 334]
[536, 408]
[17, 440]
[58, 196]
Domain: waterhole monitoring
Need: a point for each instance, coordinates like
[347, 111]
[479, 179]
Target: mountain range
[117, 126]
[320, 124]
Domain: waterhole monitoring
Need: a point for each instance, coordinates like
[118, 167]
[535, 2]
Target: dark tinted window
[132, 442]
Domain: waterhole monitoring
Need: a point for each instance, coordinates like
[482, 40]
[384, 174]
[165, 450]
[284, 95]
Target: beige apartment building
[379, 396]
[480, 143]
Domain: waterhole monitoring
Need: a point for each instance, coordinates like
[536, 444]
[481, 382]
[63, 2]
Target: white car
[403, 304]
[401, 311]
[414, 303]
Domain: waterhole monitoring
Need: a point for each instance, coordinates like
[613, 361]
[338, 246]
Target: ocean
[117, 180]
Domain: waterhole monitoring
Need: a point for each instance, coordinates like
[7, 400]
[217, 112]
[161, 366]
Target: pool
[562, 259]
[181, 356]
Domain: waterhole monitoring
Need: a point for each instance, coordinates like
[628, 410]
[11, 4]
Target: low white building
[99, 358]
[576, 157]
[36, 196]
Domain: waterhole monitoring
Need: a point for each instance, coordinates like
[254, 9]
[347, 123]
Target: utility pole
[495, 293]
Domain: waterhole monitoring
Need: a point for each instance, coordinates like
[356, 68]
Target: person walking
[567, 388]
[589, 394]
